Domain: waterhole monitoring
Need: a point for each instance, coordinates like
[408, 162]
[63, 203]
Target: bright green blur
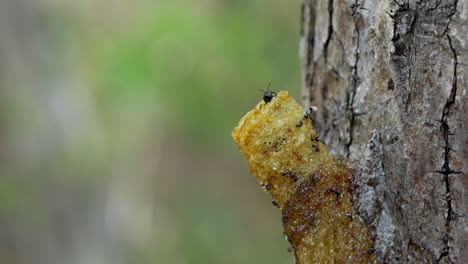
[118, 130]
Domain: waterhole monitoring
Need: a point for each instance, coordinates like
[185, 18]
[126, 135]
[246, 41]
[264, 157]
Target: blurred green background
[115, 126]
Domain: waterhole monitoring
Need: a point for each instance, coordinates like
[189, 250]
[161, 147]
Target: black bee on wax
[268, 95]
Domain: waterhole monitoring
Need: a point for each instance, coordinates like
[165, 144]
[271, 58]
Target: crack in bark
[403, 38]
[398, 3]
[311, 66]
[411, 33]
[354, 7]
[446, 169]
[330, 29]
[400, 17]
[311, 33]
[350, 99]
[455, 3]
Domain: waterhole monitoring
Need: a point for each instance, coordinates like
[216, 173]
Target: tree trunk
[389, 79]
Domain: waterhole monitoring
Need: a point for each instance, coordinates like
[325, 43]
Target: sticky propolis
[311, 188]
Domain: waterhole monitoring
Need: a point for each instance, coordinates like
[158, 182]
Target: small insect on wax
[311, 188]
[268, 95]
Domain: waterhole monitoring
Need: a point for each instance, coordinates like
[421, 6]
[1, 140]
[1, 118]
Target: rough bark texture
[389, 79]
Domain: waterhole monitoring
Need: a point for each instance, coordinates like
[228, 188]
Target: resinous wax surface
[311, 188]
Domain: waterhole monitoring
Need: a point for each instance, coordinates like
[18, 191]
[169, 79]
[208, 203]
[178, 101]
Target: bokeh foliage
[201, 67]
[143, 75]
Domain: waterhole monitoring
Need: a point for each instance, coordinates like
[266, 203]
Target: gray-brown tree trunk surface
[389, 79]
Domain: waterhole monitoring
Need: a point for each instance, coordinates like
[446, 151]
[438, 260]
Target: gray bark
[389, 79]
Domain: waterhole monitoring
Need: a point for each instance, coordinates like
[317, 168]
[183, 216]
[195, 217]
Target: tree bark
[389, 79]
